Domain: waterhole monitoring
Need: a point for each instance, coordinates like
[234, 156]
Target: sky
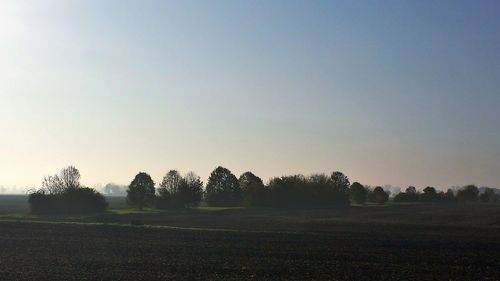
[388, 92]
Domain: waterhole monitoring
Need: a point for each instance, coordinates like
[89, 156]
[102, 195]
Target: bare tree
[69, 177]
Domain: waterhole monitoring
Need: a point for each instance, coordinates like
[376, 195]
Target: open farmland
[205, 248]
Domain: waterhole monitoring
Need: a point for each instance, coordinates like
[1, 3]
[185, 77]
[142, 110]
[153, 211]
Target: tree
[254, 193]
[177, 192]
[410, 195]
[429, 194]
[141, 191]
[358, 193]
[488, 196]
[190, 190]
[68, 177]
[315, 191]
[340, 187]
[318, 191]
[340, 182]
[223, 188]
[170, 185]
[288, 191]
[379, 195]
[449, 196]
[468, 193]
[411, 190]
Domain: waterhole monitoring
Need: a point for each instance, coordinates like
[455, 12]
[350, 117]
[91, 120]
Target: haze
[406, 93]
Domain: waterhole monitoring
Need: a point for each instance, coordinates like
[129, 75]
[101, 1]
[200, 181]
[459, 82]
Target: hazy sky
[389, 92]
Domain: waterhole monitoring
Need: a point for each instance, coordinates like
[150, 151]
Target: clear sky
[389, 92]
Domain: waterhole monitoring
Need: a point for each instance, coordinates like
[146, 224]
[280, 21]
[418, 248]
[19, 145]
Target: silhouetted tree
[358, 193]
[429, 195]
[379, 196]
[141, 191]
[169, 190]
[254, 193]
[322, 191]
[191, 190]
[411, 190]
[410, 195]
[177, 192]
[287, 191]
[488, 196]
[449, 196]
[223, 188]
[468, 193]
[69, 177]
[315, 191]
[340, 182]
[170, 183]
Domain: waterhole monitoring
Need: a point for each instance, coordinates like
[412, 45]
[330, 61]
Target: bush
[63, 194]
[69, 201]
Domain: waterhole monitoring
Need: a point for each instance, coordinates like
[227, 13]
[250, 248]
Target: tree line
[469, 193]
[296, 191]
[63, 193]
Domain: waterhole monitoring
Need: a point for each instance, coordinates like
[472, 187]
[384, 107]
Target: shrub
[63, 194]
[69, 201]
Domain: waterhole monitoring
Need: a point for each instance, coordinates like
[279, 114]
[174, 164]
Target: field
[395, 242]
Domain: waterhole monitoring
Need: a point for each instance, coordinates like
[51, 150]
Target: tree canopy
[141, 191]
[176, 191]
[358, 193]
[379, 195]
[254, 193]
[223, 188]
[468, 193]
